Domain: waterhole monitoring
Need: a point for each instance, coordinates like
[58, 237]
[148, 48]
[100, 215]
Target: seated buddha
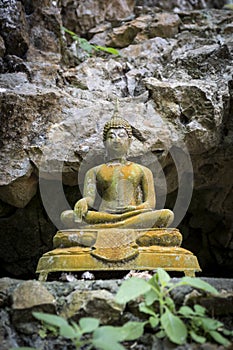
[126, 188]
[126, 232]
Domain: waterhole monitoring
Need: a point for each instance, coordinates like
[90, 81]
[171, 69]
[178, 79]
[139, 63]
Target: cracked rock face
[173, 79]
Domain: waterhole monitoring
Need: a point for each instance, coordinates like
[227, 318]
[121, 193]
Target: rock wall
[86, 298]
[173, 79]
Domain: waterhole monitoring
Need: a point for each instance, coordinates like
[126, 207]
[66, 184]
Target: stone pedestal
[117, 249]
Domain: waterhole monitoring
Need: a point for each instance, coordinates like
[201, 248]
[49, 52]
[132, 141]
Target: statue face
[117, 142]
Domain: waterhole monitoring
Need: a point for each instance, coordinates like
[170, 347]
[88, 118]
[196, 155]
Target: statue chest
[118, 176]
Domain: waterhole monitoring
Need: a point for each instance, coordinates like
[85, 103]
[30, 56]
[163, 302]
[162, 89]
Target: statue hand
[80, 209]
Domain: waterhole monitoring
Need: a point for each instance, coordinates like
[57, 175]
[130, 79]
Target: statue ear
[137, 134]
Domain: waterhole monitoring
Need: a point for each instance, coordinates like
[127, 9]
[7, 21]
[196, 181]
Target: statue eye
[111, 136]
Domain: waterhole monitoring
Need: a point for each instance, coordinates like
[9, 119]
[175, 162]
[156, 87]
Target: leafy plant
[90, 48]
[179, 325]
[100, 337]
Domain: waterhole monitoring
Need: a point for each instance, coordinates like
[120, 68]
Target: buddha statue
[126, 188]
[126, 232]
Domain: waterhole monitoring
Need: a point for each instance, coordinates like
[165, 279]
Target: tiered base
[118, 250]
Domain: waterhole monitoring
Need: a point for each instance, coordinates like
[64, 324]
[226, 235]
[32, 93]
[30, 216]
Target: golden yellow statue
[126, 232]
[126, 189]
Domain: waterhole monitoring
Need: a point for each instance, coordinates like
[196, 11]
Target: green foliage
[90, 48]
[181, 325]
[100, 337]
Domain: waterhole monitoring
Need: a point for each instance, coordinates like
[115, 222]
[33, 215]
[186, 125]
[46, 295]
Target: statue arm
[81, 207]
[149, 198]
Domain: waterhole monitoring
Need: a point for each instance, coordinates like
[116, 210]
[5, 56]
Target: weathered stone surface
[27, 297]
[164, 25]
[81, 17]
[179, 5]
[20, 192]
[14, 27]
[18, 328]
[30, 294]
[178, 99]
[99, 304]
[2, 47]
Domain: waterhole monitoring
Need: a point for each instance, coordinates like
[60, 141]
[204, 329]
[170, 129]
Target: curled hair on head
[117, 122]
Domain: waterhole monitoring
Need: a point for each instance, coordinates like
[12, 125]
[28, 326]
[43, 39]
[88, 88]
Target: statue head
[117, 122]
[117, 127]
[117, 134]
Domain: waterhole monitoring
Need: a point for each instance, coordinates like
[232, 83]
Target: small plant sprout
[90, 48]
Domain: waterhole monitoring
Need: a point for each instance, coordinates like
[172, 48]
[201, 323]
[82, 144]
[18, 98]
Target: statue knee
[168, 216]
[67, 217]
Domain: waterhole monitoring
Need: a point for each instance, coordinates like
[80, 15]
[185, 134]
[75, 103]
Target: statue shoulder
[94, 170]
[143, 169]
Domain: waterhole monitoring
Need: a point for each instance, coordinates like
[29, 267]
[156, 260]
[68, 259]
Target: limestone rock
[30, 294]
[98, 303]
[174, 100]
[6, 287]
[14, 27]
[20, 192]
[164, 25]
[81, 17]
[2, 47]
[27, 297]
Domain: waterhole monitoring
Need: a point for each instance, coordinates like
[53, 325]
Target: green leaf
[116, 334]
[186, 311]
[160, 334]
[133, 330]
[219, 338]
[174, 327]
[107, 49]
[76, 328]
[68, 332]
[154, 321]
[199, 310]
[197, 283]
[163, 277]
[88, 324]
[197, 338]
[67, 31]
[154, 282]
[209, 324]
[108, 338]
[107, 345]
[131, 289]
[85, 45]
[54, 320]
[42, 333]
[151, 296]
[226, 331]
[170, 303]
[147, 310]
